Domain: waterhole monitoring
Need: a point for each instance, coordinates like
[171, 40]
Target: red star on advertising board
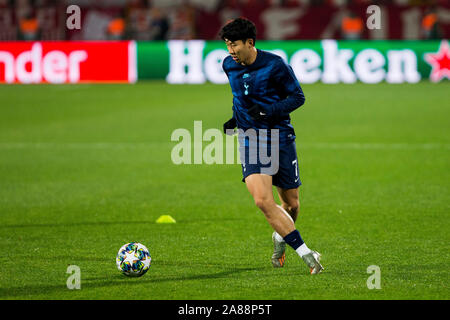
[440, 62]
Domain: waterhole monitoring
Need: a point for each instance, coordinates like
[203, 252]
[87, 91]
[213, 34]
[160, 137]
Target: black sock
[294, 239]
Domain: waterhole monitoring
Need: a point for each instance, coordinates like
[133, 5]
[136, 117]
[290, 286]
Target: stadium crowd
[170, 19]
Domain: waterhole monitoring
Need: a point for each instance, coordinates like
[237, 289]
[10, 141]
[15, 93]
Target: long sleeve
[289, 88]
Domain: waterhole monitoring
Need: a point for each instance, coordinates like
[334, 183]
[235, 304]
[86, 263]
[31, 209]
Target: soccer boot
[312, 260]
[278, 256]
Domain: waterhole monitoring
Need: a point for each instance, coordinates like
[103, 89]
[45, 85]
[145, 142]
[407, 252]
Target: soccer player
[265, 91]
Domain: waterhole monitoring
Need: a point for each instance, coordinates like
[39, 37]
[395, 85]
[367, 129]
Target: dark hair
[239, 29]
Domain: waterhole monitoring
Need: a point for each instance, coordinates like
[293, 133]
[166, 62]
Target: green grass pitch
[85, 169]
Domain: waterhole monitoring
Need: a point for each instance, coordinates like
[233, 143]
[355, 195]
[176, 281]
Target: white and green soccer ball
[133, 259]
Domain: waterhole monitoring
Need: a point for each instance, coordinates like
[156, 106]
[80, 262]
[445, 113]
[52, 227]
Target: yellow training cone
[165, 219]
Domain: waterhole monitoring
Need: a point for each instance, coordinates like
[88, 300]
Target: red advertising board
[68, 62]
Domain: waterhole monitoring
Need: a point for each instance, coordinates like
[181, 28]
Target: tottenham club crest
[246, 86]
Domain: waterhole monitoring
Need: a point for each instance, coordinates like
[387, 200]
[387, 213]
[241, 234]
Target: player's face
[239, 50]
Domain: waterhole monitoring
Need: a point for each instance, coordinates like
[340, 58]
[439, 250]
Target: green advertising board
[328, 61]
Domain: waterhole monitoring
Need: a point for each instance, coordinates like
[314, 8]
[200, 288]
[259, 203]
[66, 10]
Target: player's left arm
[289, 88]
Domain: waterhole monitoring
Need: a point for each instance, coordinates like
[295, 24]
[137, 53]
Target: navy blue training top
[269, 82]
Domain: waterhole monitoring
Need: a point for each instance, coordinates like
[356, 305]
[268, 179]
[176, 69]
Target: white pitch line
[388, 146]
[300, 145]
[70, 145]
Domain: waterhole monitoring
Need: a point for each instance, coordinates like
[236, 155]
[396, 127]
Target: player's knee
[294, 207]
[264, 203]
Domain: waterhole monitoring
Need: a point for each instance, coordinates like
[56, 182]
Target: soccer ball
[133, 259]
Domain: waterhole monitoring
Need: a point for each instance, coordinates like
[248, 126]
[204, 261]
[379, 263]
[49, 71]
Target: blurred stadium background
[150, 33]
[202, 19]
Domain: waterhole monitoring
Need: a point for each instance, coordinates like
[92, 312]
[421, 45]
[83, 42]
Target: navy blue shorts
[284, 170]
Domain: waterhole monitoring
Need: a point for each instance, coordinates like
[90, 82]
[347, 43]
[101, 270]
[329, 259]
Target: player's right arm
[230, 124]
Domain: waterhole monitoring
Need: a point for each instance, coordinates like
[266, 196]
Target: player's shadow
[99, 282]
